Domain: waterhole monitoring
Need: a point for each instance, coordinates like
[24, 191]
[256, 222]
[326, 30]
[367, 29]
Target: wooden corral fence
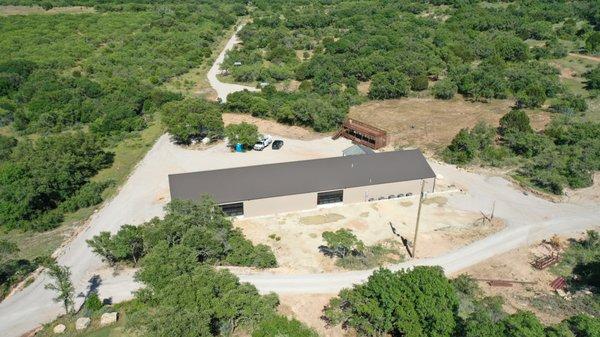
[546, 261]
[363, 134]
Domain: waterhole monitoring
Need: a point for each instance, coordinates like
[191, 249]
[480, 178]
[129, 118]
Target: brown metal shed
[362, 133]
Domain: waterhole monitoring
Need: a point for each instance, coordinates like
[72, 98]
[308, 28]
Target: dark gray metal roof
[271, 180]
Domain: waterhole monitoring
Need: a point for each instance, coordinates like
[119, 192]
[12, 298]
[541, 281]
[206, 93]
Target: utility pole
[418, 218]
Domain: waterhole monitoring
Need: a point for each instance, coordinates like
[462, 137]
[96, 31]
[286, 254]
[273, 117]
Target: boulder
[82, 323]
[59, 328]
[108, 318]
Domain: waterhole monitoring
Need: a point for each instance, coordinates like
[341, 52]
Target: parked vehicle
[277, 144]
[263, 143]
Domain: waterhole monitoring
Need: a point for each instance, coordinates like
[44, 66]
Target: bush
[419, 83]
[393, 84]
[93, 302]
[569, 104]
[444, 89]
[515, 120]
[282, 326]
[89, 195]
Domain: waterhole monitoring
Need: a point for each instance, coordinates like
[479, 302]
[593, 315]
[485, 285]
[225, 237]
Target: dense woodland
[423, 302]
[198, 228]
[73, 86]
[481, 50]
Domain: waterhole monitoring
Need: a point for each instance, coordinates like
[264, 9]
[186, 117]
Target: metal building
[300, 185]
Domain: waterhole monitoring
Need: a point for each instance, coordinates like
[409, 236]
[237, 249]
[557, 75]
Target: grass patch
[373, 256]
[94, 330]
[127, 154]
[321, 219]
[552, 303]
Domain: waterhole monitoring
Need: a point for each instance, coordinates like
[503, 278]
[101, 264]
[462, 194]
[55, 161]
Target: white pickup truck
[263, 142]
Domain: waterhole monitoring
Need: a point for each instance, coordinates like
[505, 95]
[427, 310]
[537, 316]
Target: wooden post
[418, 218]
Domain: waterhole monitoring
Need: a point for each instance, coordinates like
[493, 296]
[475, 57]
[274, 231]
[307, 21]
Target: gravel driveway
[224, 89]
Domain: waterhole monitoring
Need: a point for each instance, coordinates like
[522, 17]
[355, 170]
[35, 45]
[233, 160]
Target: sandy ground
[273, 128]
[295, 237]
[587, 196]
[431, 123]
[308, 309]
[26, 10]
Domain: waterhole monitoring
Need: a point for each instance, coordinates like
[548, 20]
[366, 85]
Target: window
[233, 209]
[330, 197]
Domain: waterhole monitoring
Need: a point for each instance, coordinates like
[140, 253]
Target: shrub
[281, 326]
[93, 302]
[444, 89]
[515, 120]
[392, 84]
[419, 83]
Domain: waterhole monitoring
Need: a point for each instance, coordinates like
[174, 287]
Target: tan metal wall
[299, 202]
[286, 203]
[364, 193]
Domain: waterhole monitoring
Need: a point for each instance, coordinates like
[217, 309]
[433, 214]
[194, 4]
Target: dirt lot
[295, 237]
[25, 10]
[273, 128]
[308, 309]
[431, 124]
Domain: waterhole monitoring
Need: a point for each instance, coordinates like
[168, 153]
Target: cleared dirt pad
[296, 237]
[431, 124]
[272, 127]
[309, 309]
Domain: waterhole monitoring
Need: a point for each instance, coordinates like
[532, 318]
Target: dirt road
[224, 89]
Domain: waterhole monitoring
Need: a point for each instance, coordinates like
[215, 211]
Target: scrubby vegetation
[481, 50]
[13, 270]
[580, 262]
[198, 229]
[72, 86]
[566, 153]
[423, 302]
[352, 253]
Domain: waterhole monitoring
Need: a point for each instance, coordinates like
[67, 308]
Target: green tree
[102, 245]
[200, 301]
[61, 283]
[281, 326]
[419, 83]
[592, 78]
[243, 133]
[342, 242]
[592, 43]
[515, 121]
[584, 326]
[128, 243]
[192, 118]
[420, 302]
[462, 149]
[523, 324]
[388, 85]
[444, 89]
